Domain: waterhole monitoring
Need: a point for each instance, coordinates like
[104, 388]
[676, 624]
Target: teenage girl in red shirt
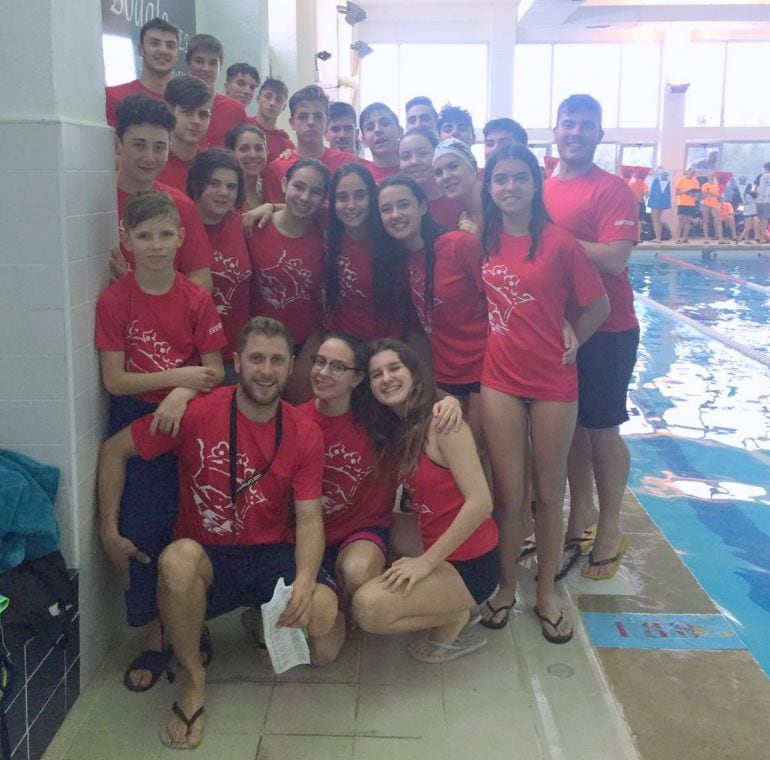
[532, 270]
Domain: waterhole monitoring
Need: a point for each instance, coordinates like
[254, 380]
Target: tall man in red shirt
[309, 109]
[602, 213]
[247, 463]
[271, 102]
[159, 49]
[381, 132]
[190, 101]
[142, 134]
[204, 59]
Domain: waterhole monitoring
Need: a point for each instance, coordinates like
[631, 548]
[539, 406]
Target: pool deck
[703, 244]
[520, 697]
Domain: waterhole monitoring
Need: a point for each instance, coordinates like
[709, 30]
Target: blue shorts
[148, 512]
[460, 390]
[377, 535]
[480, 574]
[245, 576]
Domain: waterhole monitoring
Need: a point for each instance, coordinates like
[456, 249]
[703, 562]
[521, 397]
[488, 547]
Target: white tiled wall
[57, 223]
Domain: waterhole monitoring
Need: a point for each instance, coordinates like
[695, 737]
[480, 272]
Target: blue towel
[28, 528]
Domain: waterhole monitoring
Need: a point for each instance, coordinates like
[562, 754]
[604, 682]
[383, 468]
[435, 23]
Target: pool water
[699, 432]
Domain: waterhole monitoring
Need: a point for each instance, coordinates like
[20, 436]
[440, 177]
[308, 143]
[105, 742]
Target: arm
[591, 317]
[459, 451]
[202, 277]
[609, 258]
[114, 455]
[308, 553]
[119, 382]
[260, 216]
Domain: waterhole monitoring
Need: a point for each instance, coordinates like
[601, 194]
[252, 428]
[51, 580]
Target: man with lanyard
[244, 457]
[602, 213]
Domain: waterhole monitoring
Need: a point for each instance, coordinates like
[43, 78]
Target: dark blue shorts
[605, 364]
[245, 576]
[460, 390]
[148, 512]
[480, 574]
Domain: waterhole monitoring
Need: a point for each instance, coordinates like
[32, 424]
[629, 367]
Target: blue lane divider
[645, 630]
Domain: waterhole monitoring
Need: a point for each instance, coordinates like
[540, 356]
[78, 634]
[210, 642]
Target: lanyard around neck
[234, 488]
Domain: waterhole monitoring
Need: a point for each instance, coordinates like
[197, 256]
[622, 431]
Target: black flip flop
[155, 662]
[558, 638]
[189, 723]
[493, 624]
[572, 553]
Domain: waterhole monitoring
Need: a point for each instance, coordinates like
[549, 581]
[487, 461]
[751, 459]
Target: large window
[639, 84]
[532, 85]
[395, 73]
[703, 103]
[745, 93]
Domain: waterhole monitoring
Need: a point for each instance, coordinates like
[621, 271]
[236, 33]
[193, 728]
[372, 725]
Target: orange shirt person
[686, 189]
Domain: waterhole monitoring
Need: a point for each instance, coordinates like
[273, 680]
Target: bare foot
[497, 608]
[555, 627]
[185, 726]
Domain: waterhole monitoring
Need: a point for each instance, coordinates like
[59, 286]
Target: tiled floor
[518, 698]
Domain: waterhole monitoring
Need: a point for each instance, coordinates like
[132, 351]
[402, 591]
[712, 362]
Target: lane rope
[713, 273]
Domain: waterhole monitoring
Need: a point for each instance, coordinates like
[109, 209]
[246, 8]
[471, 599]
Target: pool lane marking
[757, 356]
[654, 630]
[718, 275]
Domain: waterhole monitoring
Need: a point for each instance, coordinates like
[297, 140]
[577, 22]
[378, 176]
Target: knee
[178, 563]
[354, 571]
[369, 608]
[323, 611]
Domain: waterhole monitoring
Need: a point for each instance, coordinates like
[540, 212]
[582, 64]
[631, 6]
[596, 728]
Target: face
[218, 197]
[512, 187]
[380, 134]
[341, 134]
[270, 104]
[143, 152]
[154, 243]
[495, 140]
[191, 123]
[402, 215]
[390, 380]
[455, 176]
[251, 153]
[242, 87]
[577, 135]
[309, 122]
[421, 116]
[351, 201]
[263, 368]
[460, 130]
[333, 375]
[305, 192]
[415, 157]
[204, 65]
[159, 51]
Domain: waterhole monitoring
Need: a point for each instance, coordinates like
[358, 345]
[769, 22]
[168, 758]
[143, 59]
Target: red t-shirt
[445, 212]
[158, 332]
[355, 494]
[598, 207]
[355, 314]
[526, 301]
[175, 172]
[288, 277]
[382, 172]
[277, 140]
[231, 274]
[226, 113]
[457, 324]
[263, 512]
[113, 95]
[436, 501]
[195, 251]
[276, 170]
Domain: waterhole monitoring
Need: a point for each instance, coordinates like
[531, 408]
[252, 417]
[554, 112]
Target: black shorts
[605, 365]
[685, 210]
[480, 574]
[245, 576]
[460, 390]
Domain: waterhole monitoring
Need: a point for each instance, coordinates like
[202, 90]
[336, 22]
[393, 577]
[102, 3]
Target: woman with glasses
[358, 490]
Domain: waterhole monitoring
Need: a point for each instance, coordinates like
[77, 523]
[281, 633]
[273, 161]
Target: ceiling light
[354, 14]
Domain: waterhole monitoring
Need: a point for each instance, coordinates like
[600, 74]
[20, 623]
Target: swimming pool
[699, 432]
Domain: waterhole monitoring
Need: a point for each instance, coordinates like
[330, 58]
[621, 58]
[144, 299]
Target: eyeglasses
[336, 369]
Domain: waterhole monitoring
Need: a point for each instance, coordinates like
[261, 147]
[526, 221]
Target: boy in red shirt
[159, 337]
[247, 462]
[143, 134]
[241, 82]
[342, 128]
[204, 59]
[159, 49]
[381, 132]
[271, 101]
[309, 109]
[190, 101]
[420, 112]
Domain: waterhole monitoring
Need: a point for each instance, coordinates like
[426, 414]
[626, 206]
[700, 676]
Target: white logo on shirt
[343, 475]
[498, 279]
[417, 284]
[285, 282]
[625, 223]
[146, 343]
[348, 276]
[227, 276]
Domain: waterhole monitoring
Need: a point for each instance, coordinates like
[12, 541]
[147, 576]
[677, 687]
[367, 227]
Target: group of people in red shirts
[294, 332]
